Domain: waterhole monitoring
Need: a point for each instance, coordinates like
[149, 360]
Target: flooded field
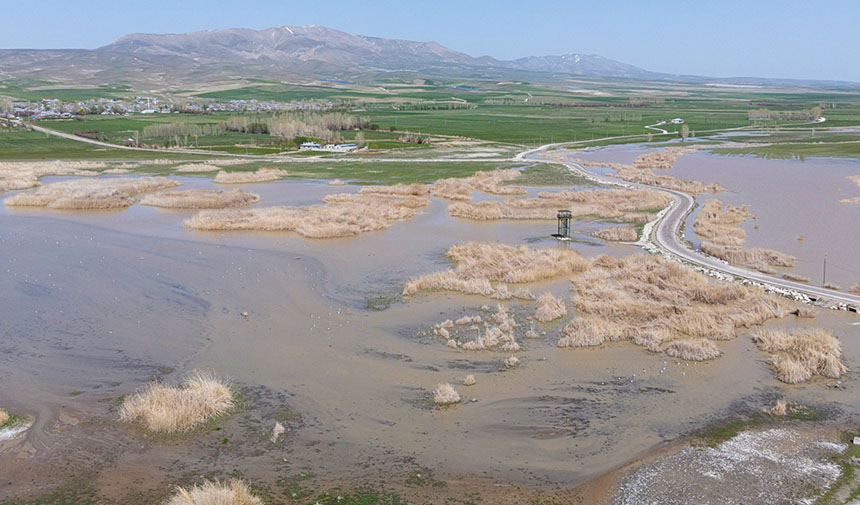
[796, 205]
[316, 335]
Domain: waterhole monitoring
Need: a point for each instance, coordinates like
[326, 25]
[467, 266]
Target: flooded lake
[95, 304]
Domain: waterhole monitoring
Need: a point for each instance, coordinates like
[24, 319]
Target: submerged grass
[90, 193]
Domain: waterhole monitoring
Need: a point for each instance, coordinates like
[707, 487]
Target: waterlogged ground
[796, 205]
[96, 304]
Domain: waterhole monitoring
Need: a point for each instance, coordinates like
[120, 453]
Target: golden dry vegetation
[235, 492]
[549, 307]
[717, 224]
[200, 199]
[90, 193]
[262, 175]
[617, 234]
[479, 265]
[165, 408]
[25, 175]
[489, 182]
[798, 356]
[342, 215]
[618, 204]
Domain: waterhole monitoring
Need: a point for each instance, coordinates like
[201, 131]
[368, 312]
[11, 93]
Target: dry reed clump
[25, 175]
[855, 288]
[692, 349]
[469, 380]
[4, 417]
[794, 277]
[336, 182]
[486, 182]
[196, 168]
[277, 431]
[83, 194]
[116, 171]
[549, 308]
[618, 204]
[343, 215]
[261, 175]
[200, 199]
[617, 234]
[800, 355]
[215, 493]
[661, 160]
[498, 333]
[645, 176]
[855, 179]
[718, 225]
[175, 408]
[445, 394]
[653, 302]
[780, 409]
[476, 319]
[478, 264]
[512, 362]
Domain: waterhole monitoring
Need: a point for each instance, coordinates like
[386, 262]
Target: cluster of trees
[616, 117]
[436, 106]
[182, 129]
[5, 106]
[645, 101]
[411, 138]
[811, 114]
[321, 126]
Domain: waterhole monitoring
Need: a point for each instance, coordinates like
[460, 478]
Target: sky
[762, 38]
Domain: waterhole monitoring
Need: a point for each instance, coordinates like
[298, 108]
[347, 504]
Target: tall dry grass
[445, 394]
[855, 288]
[196, 168]
[638, 175]
[90, 193]
[4, 417]
[215, 493]
[692, 349]
[662, 160]
[615, 204]
[479, 264]
[549, 307]
[262, 175]
[26, 175]
[653, 302]
[717, 224]
[798, 356]
[489, 182]
[342, 215]
[200, 199]
[617, 234]
[855, 179]
[166, 408]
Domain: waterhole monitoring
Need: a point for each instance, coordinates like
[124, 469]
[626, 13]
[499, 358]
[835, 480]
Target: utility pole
[824, 276]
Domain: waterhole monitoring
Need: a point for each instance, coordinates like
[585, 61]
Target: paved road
[666, 237]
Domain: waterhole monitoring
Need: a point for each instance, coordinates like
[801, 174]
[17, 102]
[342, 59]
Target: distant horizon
[766, 39]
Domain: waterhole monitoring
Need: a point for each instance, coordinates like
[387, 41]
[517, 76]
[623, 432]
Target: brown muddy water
[795, 202]
[96, 304]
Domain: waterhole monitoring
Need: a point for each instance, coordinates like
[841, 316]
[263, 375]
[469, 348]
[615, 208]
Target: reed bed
[549, 308]
[200, 199]
[445, 394]
[342, 215]
[175, 408]
[654, 302]
[479, 264]
[90, 194]
[26, 175]
[692, 349]
[795, 277]
[116, 171]
[261, 175]
[472, 333]
[4, 417]
[855, 179]
[196, 168]
[717, 224]
[661, 160]
[490, 182]
[235, 492]
[617, 204]
[336, 182]
[617, 234]
[798, 356]
[646, 176]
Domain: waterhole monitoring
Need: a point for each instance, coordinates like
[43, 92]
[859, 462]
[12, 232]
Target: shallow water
[791, 199]
[97, 303]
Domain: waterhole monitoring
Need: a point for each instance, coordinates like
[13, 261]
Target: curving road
[665, 236]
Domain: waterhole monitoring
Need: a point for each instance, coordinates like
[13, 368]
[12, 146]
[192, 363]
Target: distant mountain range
[150, 61]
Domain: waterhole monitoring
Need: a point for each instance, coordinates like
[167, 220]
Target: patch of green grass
[800, 151]
[546, 175]
[847, 477]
